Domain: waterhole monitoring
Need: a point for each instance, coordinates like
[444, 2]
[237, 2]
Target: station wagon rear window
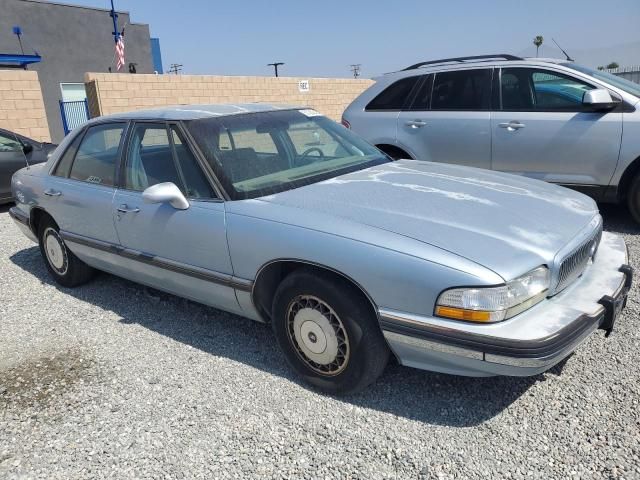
[257, 154]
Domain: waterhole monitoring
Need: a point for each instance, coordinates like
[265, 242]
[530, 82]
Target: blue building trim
[156, 55]
[18, 60]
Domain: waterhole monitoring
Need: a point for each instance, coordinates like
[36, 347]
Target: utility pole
[275, 66]
[175, 68]
[355, 69]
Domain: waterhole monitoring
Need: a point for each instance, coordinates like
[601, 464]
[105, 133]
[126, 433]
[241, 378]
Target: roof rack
[503, 56]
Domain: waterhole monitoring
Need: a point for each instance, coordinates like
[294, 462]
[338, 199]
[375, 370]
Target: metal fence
[630, 73]
[74, 114]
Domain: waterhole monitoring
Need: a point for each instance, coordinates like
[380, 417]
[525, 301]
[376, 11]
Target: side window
[557, 92]
[395, 96]
[97, 154]
[151, 160]
[462, 90]
[9, 144]
[64, 164]
[530, 89]
[422, 100]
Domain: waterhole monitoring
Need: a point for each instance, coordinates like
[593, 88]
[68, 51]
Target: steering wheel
[307, 152]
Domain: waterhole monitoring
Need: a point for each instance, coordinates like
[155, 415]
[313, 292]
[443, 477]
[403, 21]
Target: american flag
[120, 51]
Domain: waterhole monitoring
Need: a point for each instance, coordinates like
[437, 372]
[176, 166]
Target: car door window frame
[124, 158]
[492, 73]
[81, 136]
[408, 99]
[533, 69]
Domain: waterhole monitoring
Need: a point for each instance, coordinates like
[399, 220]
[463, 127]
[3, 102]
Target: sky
[322, 38]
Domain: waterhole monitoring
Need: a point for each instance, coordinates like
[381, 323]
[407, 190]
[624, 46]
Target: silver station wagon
[283, 216]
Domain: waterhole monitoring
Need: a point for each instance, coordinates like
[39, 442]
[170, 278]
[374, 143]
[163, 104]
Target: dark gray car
[16, 152]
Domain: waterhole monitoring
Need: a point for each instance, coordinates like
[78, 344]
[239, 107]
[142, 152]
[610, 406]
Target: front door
[543, 130]
[449, 119]
[12, 159]
[181, 251]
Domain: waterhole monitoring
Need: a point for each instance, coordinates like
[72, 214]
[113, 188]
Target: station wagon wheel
[318, 335]
[328, 331]
[633, 198]
[63, 265]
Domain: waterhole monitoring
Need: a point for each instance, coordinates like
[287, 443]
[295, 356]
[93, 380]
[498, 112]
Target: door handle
[52, 193]
[512, 126]
[124, 208]
[415, 123]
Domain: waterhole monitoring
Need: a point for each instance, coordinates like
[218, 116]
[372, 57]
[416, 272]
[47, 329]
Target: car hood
[503, 222]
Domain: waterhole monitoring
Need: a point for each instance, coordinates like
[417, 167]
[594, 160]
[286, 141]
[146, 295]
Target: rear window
[395, 96]
[462, 90]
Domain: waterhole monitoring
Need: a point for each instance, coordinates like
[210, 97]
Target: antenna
[175, 68]
[275, 66]
[569, 59]
[355, 69]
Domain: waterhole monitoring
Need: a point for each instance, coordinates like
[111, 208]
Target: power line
[355, 69]
[275, 66]
[175, 68]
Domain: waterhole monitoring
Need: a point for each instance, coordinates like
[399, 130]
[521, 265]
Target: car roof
[195, 112]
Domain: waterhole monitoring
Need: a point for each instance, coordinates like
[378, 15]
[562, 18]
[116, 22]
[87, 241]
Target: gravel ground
[112, 380]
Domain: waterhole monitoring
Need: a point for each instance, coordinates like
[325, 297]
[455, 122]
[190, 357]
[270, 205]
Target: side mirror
[599, 99]
[166, 192]
[27, 148]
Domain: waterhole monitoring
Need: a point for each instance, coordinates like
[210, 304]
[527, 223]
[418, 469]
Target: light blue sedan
[280, 215]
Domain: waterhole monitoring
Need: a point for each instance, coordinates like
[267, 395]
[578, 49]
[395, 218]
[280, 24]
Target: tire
[633, 198]
[328, 332]
[65, 268]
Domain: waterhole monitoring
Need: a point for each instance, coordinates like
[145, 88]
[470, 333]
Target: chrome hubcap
[318, 334]
[55, 250]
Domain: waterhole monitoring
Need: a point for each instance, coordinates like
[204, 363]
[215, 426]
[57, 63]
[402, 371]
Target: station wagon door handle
[415, 123]
[52, 193]
[124, 208]
[512, 126]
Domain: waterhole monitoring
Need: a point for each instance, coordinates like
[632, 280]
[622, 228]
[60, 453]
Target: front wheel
[328, 332]
[66, 269]
[633, 198]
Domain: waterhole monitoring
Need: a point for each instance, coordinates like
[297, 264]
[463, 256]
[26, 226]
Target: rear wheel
[66, 269]
[633, 198]
[328, 332]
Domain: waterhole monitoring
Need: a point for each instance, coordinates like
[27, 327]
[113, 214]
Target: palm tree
[538, 42]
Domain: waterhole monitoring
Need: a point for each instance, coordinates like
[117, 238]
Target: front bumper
[526, 344]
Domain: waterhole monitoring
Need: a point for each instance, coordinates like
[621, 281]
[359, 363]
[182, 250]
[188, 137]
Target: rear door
[12, 159]
[449, 119]
[543, 130]
[80, 191]
[181, 251]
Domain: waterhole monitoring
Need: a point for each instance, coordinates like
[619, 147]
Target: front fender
[398, 277]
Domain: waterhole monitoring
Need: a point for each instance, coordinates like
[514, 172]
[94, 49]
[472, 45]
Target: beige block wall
[21, 105]
[113, 93]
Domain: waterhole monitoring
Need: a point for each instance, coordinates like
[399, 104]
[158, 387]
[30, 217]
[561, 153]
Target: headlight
[492, 304]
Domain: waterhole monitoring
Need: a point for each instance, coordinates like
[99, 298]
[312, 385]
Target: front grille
[574, 264]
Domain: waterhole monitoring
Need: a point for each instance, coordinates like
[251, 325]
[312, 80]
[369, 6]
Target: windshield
[619, 82]
[258, 154]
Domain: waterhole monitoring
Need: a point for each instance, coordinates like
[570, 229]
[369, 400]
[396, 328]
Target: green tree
[613, 65]
[538, 42]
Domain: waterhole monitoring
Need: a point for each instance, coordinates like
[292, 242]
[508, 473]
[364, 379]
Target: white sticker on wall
[303, 86]
[310, 113]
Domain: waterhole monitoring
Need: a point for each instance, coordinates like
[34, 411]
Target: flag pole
[114, 16]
